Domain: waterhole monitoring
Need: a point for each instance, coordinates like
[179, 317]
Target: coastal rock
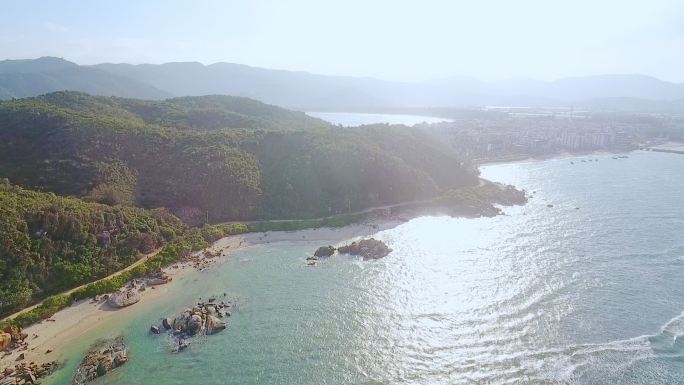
[194, 324]
[155, 329]
[214, 325]
[203, 318]
[15, 333]
[324, 251]
[101, 359]
[26, 373]
[166, 323]
[5, 340]
[158, 277]
[183, 344]
[124, 298]
[367, 248]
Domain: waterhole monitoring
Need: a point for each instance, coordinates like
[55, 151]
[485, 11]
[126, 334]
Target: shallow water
[589, 291]
[353, 119]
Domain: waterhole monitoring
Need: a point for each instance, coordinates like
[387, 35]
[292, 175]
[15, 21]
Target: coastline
[560, 155]
[72, 322]
[47, 339]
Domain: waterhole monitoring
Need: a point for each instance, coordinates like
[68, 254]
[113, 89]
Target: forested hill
[216, 157]
[50, 243]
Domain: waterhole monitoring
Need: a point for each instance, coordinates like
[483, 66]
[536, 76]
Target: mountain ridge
[308, 91]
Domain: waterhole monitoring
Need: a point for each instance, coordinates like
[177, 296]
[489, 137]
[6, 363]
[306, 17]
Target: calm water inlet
[353, 119]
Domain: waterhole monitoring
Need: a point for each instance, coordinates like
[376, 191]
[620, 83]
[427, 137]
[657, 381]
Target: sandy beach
[70, 323]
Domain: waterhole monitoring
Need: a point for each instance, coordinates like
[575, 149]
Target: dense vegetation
[193, 240]
[50, 243]
[216, 158]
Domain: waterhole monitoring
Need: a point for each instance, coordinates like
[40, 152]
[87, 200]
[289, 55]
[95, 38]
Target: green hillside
[50, 243]
[217, 157]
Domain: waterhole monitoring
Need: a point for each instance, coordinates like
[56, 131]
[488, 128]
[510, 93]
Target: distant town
[506, 133]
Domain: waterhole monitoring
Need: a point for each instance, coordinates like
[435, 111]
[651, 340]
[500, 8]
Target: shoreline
[74, 321]
[69, 324]
[560, 155]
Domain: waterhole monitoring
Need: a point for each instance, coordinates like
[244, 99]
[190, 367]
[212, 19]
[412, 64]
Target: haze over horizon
[384, 40]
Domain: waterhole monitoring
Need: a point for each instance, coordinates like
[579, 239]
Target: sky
[387, 39]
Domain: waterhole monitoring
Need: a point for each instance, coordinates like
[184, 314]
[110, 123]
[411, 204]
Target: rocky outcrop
[101, 359]
[204, 318]
[324, 251]
[26, 373]
[194, 324]
[213, 325]
[166, 323]
[5, 341]
[156, 278]
[124, 298]
[12, 337]
[367, 248]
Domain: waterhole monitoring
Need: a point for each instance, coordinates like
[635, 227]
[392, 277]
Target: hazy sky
[389, 39]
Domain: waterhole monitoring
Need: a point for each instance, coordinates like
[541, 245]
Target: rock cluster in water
[204, 318]
[324, 251]
[100, 360]
[367, 248]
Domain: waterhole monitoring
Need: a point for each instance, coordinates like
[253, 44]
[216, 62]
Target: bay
[583, 285]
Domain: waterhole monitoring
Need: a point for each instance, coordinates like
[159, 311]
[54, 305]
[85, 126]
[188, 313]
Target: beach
[71, 323]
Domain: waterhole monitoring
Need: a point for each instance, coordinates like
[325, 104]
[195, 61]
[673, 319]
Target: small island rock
[324, 251]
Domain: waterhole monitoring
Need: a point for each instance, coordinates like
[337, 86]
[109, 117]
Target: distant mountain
[284, 88]
[23, 78]
[305, 91]
[308, 91]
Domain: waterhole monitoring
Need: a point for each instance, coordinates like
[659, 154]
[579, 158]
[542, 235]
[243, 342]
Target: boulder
[166, 323]
[101, 369]
[324, 251]
[194, 324]
[102, 358]
[367, 248]
[5, 340]
[124, 298]
[214, 325]
[120, 358]
[155, 329]
[183, 343]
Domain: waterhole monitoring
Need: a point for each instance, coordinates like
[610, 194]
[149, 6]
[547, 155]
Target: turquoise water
[589, 291]
[353, 119]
